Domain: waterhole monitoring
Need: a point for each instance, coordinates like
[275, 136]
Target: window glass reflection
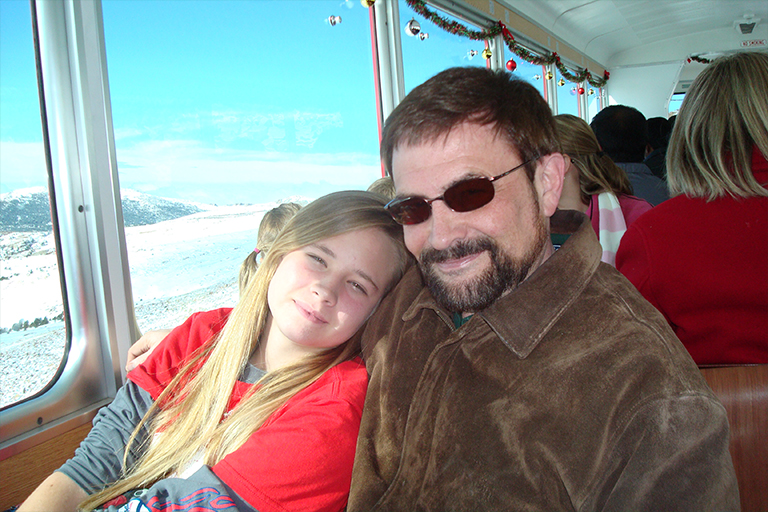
[32, 330]
[532, 73]
[567, 94]
[222, 110]
[433, 49]
[594, 102]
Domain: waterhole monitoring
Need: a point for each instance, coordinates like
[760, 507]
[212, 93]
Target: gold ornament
[367, 3]
[561, 82]
[549, 75]
[487, 53]
[591, 92]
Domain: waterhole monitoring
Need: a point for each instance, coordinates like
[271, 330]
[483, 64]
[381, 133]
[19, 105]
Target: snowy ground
[177, 267]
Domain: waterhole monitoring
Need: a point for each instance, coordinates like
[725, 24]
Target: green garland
[701, 60]
[453, 27]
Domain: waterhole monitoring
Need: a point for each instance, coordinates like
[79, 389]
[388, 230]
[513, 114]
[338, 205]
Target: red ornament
[511, 65]
[581, 90]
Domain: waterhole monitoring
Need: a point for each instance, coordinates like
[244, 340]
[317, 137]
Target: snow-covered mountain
[29, 209]
[25, 209]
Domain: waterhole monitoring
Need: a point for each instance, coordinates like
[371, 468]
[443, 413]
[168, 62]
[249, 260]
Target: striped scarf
[612, 225]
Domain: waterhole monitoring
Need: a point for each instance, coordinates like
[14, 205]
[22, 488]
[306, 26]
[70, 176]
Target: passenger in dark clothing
[659, 129]
[623, 134]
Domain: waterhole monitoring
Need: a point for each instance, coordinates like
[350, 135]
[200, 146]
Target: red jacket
[704, 265]
[301, 458]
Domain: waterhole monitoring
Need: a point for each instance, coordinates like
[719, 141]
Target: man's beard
[504, 274]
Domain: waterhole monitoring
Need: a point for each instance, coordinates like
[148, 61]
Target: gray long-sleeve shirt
[98, 461]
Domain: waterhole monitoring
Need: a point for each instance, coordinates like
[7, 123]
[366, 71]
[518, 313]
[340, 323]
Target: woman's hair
[723, 116]
[194, 403]
[270, 225]
[385, 187]
[597, 172]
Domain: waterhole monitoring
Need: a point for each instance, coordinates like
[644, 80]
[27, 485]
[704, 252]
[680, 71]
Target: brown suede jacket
[569, 393]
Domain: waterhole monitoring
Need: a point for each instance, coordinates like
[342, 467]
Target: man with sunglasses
[505, 375]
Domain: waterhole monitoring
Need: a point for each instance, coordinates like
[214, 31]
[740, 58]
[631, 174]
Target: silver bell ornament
[412, 28]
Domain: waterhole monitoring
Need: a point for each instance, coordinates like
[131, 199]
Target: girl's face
[322, 293]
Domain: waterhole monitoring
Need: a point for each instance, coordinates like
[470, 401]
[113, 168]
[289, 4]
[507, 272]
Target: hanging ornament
[537, 77]
[487, 53]
[367, 3]
[549, 75]
[573, 91]
[471, 54]
[412, 28]
[591, 92]
[511, 65]
[581, 90]
[561, 82]
[423, 36]
[333, 20]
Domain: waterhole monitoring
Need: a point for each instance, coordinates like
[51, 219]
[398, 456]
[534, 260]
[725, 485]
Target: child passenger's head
[384, 187]
[270, 225]
[332, 215]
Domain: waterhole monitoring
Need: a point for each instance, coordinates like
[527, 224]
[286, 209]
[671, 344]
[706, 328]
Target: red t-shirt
[301, 458]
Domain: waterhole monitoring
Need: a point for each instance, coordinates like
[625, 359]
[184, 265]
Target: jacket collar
[524, 316]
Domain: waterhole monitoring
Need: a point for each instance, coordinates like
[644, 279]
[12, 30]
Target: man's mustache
[458, 250]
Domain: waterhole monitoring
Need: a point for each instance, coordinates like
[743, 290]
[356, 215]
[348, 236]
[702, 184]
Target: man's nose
[445, 226]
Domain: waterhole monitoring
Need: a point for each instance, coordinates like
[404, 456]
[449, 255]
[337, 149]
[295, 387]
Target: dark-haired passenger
[659, 129]
[623, 134]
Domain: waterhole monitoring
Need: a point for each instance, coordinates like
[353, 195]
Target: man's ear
[549, 181]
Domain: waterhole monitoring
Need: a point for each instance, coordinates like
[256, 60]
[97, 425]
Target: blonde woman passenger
[700, 257]
[596, 186]
[269, 227]
[256, 407]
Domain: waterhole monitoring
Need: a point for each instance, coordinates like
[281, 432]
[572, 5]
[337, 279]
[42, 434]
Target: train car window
[594, 101]
[33, 336]
[222, 110]
[534, 74]
[567, 95]
[675, 103]
[428, 48]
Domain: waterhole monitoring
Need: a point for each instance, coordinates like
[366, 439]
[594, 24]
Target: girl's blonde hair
[385, 187]
[597, 172]
[196, 400]
[269, 227]
[724, 114]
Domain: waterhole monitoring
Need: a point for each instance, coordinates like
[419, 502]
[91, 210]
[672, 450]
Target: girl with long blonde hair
[256, 407]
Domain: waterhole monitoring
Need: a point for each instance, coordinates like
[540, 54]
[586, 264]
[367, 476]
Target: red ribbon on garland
[453, 27]
[505, 32]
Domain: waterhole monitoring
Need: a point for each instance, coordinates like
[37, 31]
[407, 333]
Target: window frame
[93, 262]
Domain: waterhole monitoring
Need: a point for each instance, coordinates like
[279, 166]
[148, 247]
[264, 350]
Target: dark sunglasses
[464, 196]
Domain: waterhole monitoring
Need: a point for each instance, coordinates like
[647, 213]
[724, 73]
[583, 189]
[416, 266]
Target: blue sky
[215, 101]
[226, 101]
